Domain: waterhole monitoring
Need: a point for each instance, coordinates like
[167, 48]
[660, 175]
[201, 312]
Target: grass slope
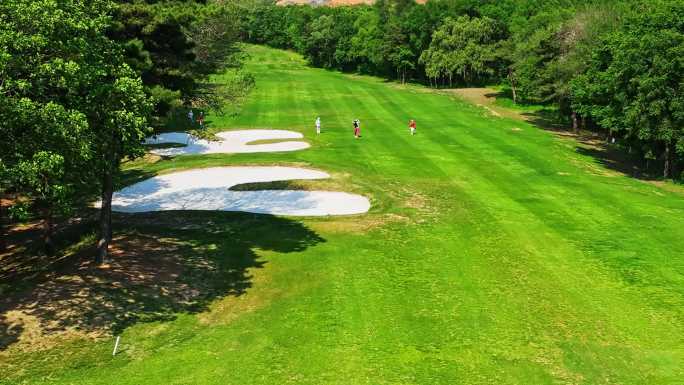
[494, 254]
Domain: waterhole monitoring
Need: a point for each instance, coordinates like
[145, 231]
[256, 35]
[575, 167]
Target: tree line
[82, 83]
[614, 66]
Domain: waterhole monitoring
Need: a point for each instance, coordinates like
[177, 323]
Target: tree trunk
[105, 218]
[575, 125]
[48, 241]
[4, 224]
[515, 94]
[667, 169]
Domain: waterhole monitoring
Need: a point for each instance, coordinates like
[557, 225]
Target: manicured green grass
[494, 254]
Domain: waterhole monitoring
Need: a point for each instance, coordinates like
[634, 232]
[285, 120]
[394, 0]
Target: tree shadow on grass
[23, 261]
[162, 264]
[548, 120]
[540, 116]
[133, 176]
[9, 332]
[612, 157]
[617, 159]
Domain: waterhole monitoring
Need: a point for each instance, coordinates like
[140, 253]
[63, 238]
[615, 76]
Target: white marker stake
[116, 345]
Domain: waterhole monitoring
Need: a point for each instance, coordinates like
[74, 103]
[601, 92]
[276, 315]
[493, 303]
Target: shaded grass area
[163, 265]
[503, 97]
[494, 252]
[160, 146]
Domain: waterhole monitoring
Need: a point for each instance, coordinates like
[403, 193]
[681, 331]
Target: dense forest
[82, 82]
[614, 67]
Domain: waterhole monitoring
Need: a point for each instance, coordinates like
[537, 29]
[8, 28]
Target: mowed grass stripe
[524, 188]
[400, 267]
[399, 147]
[518, 187]
[515, 187]
[401, 308]
[599, 207]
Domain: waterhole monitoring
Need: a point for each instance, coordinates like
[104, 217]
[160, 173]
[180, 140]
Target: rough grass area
[495, 253]
[277, 185]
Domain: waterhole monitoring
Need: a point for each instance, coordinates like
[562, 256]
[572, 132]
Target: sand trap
[208, 189]
[231, 142]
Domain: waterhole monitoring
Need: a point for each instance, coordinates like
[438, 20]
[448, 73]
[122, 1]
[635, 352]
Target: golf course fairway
[494, 252]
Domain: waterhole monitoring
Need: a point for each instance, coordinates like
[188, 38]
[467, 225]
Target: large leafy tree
[71, 106]
[157, 47]
[634, 85]
[322, 42]
[176, 44]
[215, 34]
[552, 49]
[465, 48]
[398, 50]
[118, 112]
[46, 60]
[366, 44]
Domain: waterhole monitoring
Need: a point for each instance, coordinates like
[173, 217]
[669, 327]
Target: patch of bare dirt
[667, 186]
[357, 225]
[411, 198]
[483, 97]
[86, 300]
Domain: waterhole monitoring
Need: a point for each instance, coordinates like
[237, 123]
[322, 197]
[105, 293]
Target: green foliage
[154, 34]
[175, 45]
[366, 44]
[322, 41]
[40, 175]
[634, 84]
[465, 47]
[53, 61]
[71, 106]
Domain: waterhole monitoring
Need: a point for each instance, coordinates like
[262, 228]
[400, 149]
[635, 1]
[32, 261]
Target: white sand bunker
[230, 142]
[208, 189]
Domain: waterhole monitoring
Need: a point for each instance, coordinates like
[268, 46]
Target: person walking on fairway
[191, 116]
[357, 128]
[318, 125]
[412, 126]
[200, 119]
